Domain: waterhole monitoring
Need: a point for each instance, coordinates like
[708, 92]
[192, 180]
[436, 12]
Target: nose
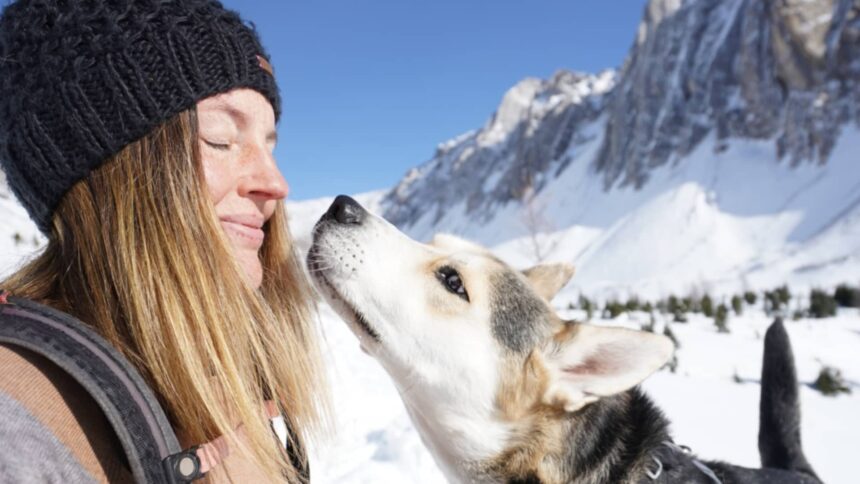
[345, 210]
[263, 179]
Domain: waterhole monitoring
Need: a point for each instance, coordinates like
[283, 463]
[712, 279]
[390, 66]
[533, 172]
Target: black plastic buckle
[183, 466]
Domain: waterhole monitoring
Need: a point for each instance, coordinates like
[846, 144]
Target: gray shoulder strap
[137, 418]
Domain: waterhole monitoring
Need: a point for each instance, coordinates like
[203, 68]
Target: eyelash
[217, 146]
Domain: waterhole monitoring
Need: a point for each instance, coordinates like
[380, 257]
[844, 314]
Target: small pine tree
[691, 304]
[830, 382]
[612, 309]
[783, 295]
[737, 305]
[750, 297]
[821, 304]
[772, 302]
[587, 305]
[16, 237]
[632, 304]
[847, 296]
[707, 306]
[647, 307]
[673, 305]
[721, 318]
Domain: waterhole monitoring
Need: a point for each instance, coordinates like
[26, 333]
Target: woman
[138, 134]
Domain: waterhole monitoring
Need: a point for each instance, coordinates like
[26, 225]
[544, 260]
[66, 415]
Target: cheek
[217, 178]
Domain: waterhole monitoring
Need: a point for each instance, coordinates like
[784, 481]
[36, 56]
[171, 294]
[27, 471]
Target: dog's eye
[450, 278]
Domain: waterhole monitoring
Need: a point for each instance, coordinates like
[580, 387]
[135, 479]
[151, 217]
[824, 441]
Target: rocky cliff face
[525, 141]
[782, 70]
[785, 71]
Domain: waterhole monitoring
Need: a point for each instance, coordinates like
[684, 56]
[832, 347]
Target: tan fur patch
[536, 446]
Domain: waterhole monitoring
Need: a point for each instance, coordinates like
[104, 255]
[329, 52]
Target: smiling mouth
[357, 316]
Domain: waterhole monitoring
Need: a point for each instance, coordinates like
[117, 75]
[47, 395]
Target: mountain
[722, 152]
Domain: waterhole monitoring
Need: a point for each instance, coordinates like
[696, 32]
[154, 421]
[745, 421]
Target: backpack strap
[130, 406]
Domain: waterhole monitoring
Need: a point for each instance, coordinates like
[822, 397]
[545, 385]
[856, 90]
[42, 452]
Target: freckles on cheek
[216, 181]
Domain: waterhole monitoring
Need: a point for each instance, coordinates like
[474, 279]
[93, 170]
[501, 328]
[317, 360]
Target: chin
[252, 271]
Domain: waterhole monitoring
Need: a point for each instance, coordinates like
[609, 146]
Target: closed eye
[217, 146]
[450, 278]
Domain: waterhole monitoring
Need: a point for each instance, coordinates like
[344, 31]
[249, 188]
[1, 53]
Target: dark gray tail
[779, 417]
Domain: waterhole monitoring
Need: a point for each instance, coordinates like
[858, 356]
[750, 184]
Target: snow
[19, 237]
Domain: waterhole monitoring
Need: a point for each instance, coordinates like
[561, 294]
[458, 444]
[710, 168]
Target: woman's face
[237, 136]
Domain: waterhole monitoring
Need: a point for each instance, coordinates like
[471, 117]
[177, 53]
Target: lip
[247, 227]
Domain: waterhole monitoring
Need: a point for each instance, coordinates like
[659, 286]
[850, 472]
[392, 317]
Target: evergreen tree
[612, 310]
[737, 305]
[632, 304]
[673, 305]
[821, 304]
[750, 297]
[586, 304]
[707, 306]
[783, 295]
[721, 318]
[847, 296]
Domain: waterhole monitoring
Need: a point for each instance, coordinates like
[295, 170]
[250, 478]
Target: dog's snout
[345, 210]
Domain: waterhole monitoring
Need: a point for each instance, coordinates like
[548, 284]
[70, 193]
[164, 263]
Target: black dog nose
[345, 210]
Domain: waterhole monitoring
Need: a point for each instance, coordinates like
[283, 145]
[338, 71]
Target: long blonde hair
[137, 251]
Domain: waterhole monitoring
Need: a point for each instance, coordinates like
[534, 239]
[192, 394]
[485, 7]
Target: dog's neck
[610, 440]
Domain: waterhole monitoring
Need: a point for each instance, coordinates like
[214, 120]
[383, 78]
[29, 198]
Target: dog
[503, 390]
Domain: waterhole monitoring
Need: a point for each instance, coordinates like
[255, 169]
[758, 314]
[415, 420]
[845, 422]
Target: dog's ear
[548, 279]
[585, 363]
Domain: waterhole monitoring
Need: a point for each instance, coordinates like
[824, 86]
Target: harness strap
[655, 474]
[135, 415]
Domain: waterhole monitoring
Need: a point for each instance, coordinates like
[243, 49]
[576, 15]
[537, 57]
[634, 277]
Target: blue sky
[371, 87]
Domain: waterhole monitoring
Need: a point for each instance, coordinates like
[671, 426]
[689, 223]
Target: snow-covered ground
[710, 412]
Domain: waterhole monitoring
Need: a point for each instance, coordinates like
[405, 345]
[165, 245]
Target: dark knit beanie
[81, 79]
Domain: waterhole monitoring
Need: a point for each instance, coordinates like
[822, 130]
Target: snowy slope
[19, 237]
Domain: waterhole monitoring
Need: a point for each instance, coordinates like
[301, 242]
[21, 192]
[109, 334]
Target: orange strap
[215, 451]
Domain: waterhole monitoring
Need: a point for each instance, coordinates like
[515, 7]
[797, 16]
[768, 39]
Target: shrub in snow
[821, 304]
[673, 306]
[647, 307]
[707, 306]
[680, 317]
[16, 237]
[830, 382]
[737, 305]
[587, 305]
[632, 304]
[612, 310]
[691, 303]
[847, 296]
[721, 318]
[776, 300]
[750, 297]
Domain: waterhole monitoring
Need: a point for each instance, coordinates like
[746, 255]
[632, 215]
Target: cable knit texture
[81, 79]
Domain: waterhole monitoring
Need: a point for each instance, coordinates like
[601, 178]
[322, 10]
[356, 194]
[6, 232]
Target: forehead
[245, 107]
